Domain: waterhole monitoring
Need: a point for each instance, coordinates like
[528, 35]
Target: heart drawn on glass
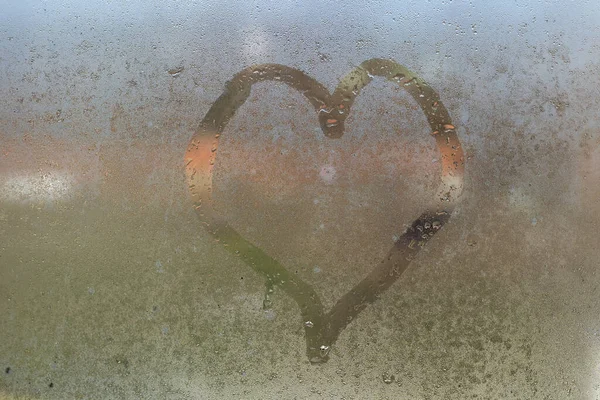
[323, 328]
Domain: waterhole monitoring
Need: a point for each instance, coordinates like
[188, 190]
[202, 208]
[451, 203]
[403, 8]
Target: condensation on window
[299, 200]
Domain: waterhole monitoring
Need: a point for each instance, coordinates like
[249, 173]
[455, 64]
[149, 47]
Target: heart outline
[322, 329]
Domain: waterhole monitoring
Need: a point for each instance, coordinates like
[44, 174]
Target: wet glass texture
[299, 200]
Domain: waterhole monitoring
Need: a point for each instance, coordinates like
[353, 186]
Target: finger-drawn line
[322, 329]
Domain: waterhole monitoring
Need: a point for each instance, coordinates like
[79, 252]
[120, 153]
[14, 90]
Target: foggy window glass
[299, 200]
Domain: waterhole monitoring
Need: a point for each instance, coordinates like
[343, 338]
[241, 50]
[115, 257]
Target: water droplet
[388, 378]
[436, 225]
[398, 77]
[267, 303]
[427, 225]
[331, 122]
[419, 228]
[324, 350]
[308, 324]
[175, 71]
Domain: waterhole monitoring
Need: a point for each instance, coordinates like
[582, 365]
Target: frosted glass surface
[143, 257]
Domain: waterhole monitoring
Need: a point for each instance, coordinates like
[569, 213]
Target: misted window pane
[299, 200]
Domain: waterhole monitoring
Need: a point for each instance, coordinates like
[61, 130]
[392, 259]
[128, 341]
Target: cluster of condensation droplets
[425, 231]
[332, 121]
[447, 128]
[429, 228]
